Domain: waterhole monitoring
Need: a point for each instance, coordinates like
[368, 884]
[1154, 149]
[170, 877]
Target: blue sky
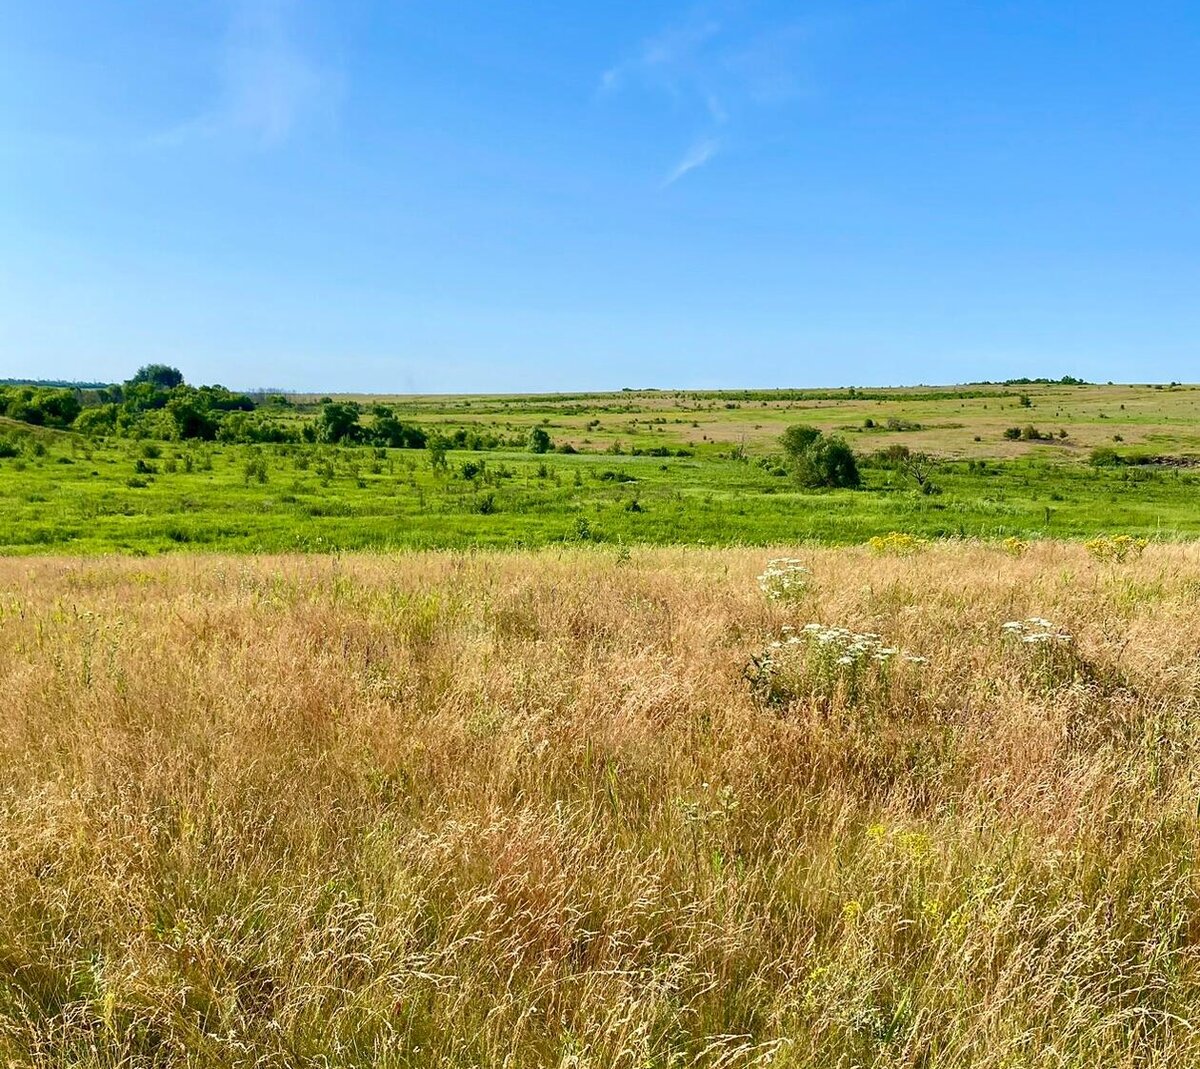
[420, 196]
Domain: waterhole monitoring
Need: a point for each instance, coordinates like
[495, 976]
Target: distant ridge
[60, 384]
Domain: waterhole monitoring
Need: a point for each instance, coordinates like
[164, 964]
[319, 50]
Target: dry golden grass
[525, 810]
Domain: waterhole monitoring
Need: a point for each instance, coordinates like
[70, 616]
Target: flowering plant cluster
[1048, 649]
[896, 544]
[785, 579]
[1035, 631]
[846, 648]
[1116, 549]
[825, 661]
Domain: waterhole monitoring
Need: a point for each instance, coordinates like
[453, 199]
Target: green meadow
[636, 467]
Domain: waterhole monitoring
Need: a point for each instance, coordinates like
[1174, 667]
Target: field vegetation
[156, 464]
[913, 804]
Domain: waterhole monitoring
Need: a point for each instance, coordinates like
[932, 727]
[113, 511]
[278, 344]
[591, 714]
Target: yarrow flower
[1035, 631]
[851, 647]
[785, 579]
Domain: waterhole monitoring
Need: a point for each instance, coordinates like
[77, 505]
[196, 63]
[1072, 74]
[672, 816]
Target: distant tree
[438, 445]
[917, 466]
[192, 418]
[97, 421]
[338, 422]
[387, 430]
[60, 406]
[161, 375]
[41, 407]
[539, 440]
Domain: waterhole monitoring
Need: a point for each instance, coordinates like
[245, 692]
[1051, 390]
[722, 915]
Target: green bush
[820, 461]
[1105, 456]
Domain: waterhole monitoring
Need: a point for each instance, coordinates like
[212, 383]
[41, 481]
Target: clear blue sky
[407, 195]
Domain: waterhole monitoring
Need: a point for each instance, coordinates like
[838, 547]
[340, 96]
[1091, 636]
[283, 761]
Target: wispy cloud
[696, 156]
[718, 72]
[662, 60]
[268, 84]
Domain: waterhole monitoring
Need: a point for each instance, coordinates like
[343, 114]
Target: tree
[192, 418]
[338, 422]
[831, 463]
[539, 440]
[438, 445]
[160, 375]
[389, 431]
[797, 439]
[917, 466]
[60, 406]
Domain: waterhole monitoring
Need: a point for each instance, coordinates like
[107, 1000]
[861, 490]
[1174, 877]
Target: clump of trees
[40, 406]
[339, 423]
[157, 403]
[819, 460]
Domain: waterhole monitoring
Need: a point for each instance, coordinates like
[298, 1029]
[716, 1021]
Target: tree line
[156, 403]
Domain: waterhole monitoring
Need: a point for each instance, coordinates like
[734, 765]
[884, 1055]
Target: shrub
[437, 445]
[1105, 456]
[797, 439]
[817, 460]
[338, 423]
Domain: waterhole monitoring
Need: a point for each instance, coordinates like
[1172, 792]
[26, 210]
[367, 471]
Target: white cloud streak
[697, 156]
[720, 75]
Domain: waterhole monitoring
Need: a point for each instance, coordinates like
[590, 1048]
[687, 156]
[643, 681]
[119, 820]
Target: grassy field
[600, 807]
[62, 492]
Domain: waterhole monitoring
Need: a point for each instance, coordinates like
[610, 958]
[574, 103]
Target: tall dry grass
[526, 810]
